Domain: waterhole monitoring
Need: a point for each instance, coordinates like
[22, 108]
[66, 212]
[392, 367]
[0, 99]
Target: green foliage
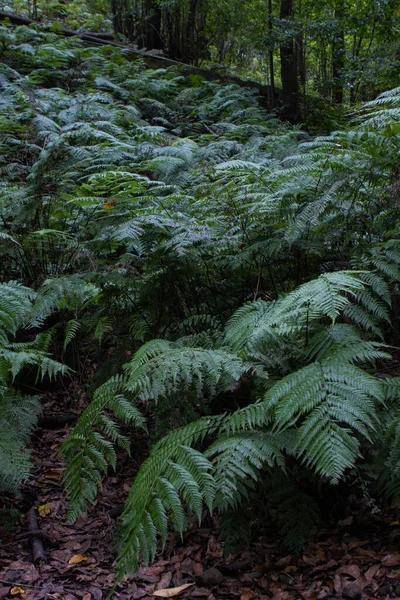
[245, 273]
[18, 413]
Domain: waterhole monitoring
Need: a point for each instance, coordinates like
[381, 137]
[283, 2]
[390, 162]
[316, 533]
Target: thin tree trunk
[290, 86]
[300, 63]
[338, 54]
[122, 17]
[271, 55]
[148, 25]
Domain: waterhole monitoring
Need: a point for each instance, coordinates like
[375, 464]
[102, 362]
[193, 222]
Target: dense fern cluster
[252, 273]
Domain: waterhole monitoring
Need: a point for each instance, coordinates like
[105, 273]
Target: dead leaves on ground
[338, 564]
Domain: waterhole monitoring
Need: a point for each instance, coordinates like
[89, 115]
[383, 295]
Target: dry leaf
[352, 570]
[77, 559]
[44, 510]
[247, 594]
[284, 561]
[309, 595]
[16, 590]
[52, 475]
[311, 560]
[165, 581]
[151, 571]
[391, 560]
[338, 584]
[171, 592]
[198, 568]
[370, 574]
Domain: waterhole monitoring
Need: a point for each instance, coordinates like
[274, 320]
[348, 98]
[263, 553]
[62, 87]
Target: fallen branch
[38, 553]
[37, 533]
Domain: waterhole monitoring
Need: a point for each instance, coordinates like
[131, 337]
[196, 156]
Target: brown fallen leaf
[165, 581]
[351, 589]
[52, 474]
[153, 570]
[247, 594]
[338, 584]
[352, 570]
[370, 574]
[391, 560]
[321, 568]
[171, 592]
[198, 568]
[76, 559]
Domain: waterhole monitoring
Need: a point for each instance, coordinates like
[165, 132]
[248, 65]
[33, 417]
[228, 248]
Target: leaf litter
[340, 561]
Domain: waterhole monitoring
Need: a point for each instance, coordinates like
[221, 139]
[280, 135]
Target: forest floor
[355, 558]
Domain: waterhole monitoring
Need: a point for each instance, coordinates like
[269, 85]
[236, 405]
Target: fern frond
[329, 402]
[71, 329]
[87, 451]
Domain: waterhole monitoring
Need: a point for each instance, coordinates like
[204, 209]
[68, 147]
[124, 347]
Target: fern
[90, 448]
[328, 403]
[18, 413]
[262, 265]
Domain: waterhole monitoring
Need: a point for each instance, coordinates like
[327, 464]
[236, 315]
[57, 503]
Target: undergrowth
[250, 271]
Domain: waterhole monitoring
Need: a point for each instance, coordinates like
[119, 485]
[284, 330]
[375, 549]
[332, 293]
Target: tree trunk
[148, 25]
[183, 25]
[338, 54]
[300, 58]
[191, 49]
[122, 17]
[271, 54]
[290, 86]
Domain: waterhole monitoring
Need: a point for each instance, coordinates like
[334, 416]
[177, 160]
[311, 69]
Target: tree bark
[148, 25]
[338, 54]
[122, 17]
[290, 85]
[271, 54]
